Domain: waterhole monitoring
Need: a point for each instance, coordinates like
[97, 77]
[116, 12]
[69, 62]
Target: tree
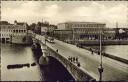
[32, 26]
[4, 23]
[39, 23]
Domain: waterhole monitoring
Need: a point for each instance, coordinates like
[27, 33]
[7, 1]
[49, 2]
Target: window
[14, 31]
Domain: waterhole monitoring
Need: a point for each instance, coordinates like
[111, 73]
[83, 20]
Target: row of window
[85, 29]
[93, 32]
[13, 31]
[88, 25]
[19, 31]
[5, 34]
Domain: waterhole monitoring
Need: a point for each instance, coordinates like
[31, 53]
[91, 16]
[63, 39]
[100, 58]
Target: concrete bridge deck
[113, 70]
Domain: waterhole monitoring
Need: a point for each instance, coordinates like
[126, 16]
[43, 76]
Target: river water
[117, 50]
[15, 54]
[18, 54]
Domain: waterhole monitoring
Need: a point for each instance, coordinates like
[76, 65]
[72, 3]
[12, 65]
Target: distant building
[44, 29]
[51, 29]
[71, 25]
[121, 33]
[109, 33]
[48, 29]
[64, 35]
[11, 32]
[83, 30]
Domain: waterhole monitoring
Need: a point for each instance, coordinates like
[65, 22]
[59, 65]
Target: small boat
[14, 66]
[17, 66]
[33, 64]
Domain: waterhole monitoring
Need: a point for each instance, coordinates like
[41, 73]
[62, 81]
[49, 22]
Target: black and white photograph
[64, 40]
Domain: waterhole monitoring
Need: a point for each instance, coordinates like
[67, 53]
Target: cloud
[100, 13]
[56, 12]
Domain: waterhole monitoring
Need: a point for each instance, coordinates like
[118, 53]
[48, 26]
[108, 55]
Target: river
[117, 50]
[18, 54]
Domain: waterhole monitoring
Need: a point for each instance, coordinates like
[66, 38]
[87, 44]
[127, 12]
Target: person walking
[76, 59]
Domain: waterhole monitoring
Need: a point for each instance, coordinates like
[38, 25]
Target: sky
[55, 12]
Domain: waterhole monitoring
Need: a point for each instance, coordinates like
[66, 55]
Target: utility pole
[100, 68]
[127, 15]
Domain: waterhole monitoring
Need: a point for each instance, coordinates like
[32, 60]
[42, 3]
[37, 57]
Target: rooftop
[10, 26]
[81, 22]
[22, 23]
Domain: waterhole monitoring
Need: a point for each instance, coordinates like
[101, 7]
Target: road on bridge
[113, 70]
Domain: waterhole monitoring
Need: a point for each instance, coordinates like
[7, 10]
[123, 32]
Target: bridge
[88, 70]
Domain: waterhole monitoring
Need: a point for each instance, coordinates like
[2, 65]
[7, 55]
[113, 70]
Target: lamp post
[100, 68]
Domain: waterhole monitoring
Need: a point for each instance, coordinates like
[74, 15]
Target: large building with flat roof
[83, 30]
[71, 25]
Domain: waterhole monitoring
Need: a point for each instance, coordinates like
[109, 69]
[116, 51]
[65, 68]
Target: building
[109, 33]
[44, 30]
[15, 33]
[83, 30]
[121, 33]
[6, 32]
[51, 29]
[48, 30]
[64, 35]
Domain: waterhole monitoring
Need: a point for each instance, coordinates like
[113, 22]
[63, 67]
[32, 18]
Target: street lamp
[100, 68]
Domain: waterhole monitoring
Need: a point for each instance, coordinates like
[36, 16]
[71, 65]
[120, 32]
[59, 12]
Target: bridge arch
[54, 71]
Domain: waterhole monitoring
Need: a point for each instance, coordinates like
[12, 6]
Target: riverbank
[96, 50]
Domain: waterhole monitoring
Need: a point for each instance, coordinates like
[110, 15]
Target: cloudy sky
[61, 11]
